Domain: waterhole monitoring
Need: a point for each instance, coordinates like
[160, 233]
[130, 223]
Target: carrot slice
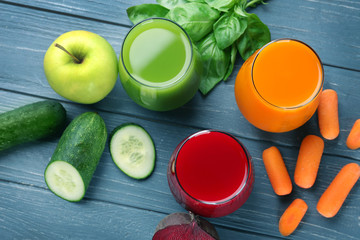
[292, 216]
[334, 196]
[328, 115]
[308, 161]
[353, 140]
[276, 171]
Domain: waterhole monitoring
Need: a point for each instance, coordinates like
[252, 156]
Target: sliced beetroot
[185, 226]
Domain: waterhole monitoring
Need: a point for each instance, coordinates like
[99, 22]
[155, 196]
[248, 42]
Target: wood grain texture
[117, 206]
[25, 165]
[32, 213]
[330, 27]
[217, 110]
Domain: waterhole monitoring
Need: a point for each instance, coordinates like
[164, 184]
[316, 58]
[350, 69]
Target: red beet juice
[210, 173]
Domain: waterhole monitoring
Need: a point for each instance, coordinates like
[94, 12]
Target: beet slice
[185, 226]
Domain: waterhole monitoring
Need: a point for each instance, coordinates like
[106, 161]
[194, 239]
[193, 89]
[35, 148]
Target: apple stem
[76, 60]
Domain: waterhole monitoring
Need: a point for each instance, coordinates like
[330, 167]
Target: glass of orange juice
[277, 89]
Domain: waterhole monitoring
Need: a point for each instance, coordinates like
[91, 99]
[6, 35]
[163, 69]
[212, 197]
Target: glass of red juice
[210, 173]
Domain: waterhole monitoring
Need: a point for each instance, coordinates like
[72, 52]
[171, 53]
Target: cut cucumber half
[65, 181]
[132, 150]
[74, 161]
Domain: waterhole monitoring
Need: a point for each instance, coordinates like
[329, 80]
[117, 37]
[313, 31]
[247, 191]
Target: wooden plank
[217, 110]
[25, 165]
[330, 27]
[26, 33]
[31, 213]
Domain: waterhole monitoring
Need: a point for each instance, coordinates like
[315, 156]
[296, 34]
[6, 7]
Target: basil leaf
[221, 5]
[215, 63]
[240, 8]
[256, 35]
[232, 61]
[199, 1]
[141, 12]
[196, 18]
[171, 3]
[228, 29]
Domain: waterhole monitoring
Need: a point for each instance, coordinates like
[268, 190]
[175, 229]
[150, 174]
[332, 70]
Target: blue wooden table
[118, 207]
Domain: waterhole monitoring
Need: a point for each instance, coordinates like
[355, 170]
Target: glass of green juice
[159, 67]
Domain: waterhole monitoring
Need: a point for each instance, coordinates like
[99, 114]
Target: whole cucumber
[76, 157]
[31, 122]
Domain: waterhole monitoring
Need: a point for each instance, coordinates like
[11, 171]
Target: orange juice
[277, 89]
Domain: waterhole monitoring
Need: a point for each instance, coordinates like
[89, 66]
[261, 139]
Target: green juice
[159, 68]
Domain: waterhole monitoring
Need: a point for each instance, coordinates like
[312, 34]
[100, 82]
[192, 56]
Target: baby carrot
[328, 114]
[292, 216]
[276, 171]
[334, 196]
[308, 161]
[353, 140]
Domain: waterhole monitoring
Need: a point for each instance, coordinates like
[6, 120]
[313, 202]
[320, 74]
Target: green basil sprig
[219, 29]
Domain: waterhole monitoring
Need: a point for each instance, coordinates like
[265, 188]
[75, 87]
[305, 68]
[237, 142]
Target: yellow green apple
[81, 66]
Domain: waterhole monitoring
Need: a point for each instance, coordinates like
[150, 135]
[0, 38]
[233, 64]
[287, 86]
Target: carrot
[292, 216]
[328, 114]
[334, 196]
[276, 171]
[308, 161]
[353, 140]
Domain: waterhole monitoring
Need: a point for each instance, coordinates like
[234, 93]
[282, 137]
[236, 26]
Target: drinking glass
[159, 67]
[210, 173]
[277, 89]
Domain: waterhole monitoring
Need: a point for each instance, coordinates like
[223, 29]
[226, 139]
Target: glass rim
[241, 186]
[172, 82]
[299, 105]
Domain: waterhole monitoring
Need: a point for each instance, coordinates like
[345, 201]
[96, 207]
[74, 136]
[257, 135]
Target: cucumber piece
[132, 150]
[63, 179]
[31, 122]
[76, 157]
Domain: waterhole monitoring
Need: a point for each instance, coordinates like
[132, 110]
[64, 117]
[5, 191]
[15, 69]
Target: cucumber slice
[132, 150]
[65, 181]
